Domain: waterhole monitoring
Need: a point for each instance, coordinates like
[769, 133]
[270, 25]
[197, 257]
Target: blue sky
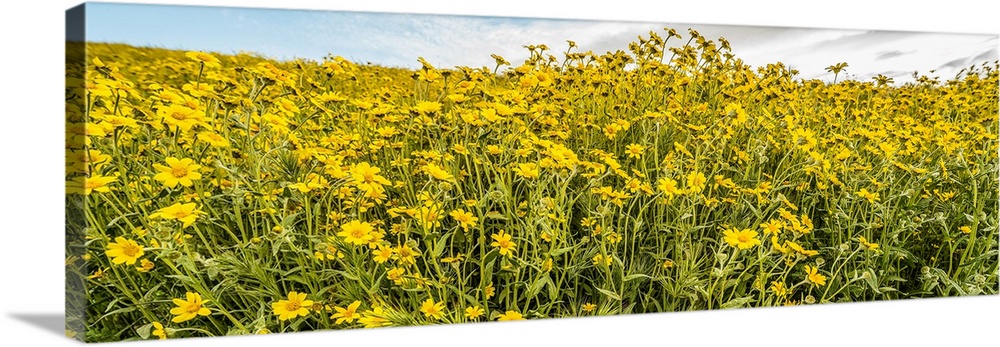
[447, 41]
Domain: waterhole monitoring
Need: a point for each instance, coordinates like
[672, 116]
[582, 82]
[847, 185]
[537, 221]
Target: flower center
[292, 306]
[130, 250]
[358, 233]
[178, 116]
[179, 171]
[193, 308]
[744, 238]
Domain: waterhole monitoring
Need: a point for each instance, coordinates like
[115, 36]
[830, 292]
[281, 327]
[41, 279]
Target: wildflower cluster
[232, 194]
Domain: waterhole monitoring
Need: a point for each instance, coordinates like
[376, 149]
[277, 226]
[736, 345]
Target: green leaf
[737, 302]
[635, 276]
[297, 279]
[121, 310]
[439, 245]
[111, 304]
[559, 251]
[893, 278]
[537, 286]
[181, 278]
[375, 284]
[235, 332]
[553, 291]
[494, 215]
[465, 296]
[610, 294]
[144, 330]
[348, 275]
[872, 280]
[114, 221]
[488, 271]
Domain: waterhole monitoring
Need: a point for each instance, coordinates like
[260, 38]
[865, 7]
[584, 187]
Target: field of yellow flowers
[212, 194]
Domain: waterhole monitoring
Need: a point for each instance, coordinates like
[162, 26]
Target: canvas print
[234, 171]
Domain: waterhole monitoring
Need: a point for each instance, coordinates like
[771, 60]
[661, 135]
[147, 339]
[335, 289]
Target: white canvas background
[31, 191]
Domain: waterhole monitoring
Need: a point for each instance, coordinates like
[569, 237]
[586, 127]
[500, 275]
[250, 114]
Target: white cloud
[447, 41]
[397, 39]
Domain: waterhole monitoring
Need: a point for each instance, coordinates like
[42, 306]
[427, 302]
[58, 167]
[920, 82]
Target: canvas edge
[76, 271]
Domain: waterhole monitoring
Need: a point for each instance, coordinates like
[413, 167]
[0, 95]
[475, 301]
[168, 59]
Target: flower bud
[721, 257]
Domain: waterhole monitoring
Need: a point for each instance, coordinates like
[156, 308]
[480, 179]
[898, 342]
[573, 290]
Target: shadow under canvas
[51, 322]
